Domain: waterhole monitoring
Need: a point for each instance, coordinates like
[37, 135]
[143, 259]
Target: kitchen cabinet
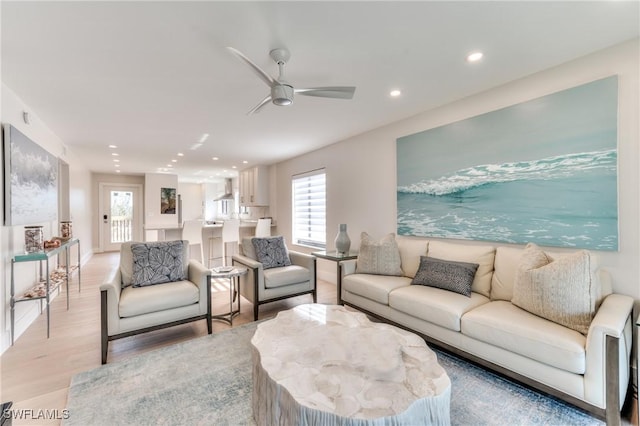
[254, 186]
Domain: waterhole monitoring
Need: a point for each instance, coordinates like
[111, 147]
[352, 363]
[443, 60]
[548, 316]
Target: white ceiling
[152, 77]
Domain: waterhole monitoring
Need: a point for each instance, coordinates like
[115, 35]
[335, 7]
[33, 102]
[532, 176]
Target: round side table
[234, 290]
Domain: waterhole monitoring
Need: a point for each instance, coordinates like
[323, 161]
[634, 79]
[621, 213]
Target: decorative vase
[33, 239]
[342, 241]
[66, 229]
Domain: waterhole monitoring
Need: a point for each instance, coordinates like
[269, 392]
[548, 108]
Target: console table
[42, 291]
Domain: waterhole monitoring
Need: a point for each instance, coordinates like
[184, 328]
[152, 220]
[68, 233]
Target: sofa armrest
[252, 280]
[348, 267]
[246, 261]
[611, 319]
[199, 275]
[302, 259]
[111, 289]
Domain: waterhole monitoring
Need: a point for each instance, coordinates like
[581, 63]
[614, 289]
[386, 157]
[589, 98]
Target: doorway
[120, 215]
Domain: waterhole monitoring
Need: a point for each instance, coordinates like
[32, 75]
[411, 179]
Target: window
[309, 209]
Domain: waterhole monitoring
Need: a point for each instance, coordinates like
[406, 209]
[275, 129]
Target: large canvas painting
[542, 171]
[30, 180]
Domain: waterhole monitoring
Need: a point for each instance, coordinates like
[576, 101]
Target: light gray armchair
[128, 309]
[263, 285]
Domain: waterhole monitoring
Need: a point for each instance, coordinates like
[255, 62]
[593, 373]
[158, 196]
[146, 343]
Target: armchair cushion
[271, 252]
[286, 275]
[158, 262]
[144, 300]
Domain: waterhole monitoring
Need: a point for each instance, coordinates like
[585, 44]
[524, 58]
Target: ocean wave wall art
[543, 171]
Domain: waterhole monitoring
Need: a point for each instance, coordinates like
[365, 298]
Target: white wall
[361, 171]
[192, 200]
[152, 184]
[12, 237]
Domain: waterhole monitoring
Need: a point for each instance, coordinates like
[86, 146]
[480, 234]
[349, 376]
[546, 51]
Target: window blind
[309, 209]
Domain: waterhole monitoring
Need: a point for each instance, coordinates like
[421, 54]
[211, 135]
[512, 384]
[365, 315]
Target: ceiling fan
[281, 91]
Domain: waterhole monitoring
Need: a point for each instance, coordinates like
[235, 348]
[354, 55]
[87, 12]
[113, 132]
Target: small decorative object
[66, 229]
[342, 241]
[52, 244]
[33, 239]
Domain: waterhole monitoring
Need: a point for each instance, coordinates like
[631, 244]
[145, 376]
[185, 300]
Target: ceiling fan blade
[256, 109]
[338, 92]
[259, 72]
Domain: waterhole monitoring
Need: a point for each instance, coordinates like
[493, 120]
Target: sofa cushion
[379, 257]
[565, 290]
[504, 325]
[446, 274]
[482, 255]
[271, 252]
[505, 267]
[144, 300]
[411, 248]
[285, 275]
[441, 307]
[157, 262]
[374, 287]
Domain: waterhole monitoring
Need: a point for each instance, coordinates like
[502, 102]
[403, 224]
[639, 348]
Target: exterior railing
[120, 230]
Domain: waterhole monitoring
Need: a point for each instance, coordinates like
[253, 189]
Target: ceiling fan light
[282, 95]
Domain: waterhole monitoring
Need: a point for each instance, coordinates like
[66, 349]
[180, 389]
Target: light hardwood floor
[36, 371]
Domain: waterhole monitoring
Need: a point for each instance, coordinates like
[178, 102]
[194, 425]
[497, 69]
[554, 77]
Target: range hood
[228, 191]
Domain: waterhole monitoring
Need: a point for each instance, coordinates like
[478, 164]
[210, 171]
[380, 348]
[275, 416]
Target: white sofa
[589, 371]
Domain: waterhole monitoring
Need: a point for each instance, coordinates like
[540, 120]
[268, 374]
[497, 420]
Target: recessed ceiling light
[215, 158]
[115, 160]
[117, 171]
[245, 162]
[180, 154]
[117, 165]
[474, 56]
[174, 161]
[112, 146]
[115, 154]
[169, 165]
[395, 93]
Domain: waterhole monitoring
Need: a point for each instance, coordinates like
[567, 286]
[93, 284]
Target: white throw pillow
[379, 257]
[565, 290]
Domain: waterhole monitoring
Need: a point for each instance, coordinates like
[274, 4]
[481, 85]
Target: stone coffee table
[324, 365]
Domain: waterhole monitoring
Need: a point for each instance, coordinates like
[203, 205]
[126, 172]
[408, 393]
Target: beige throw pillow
[379, 257]
[564, 290]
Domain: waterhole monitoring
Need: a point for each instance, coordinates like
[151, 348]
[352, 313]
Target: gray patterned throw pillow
[446, 274]
[271, 252]
[157, 262]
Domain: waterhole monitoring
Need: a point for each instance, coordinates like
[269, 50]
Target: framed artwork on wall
[542, 171]
[167, 200]
[30, 176]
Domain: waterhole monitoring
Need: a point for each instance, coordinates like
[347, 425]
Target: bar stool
[263, 227]
[230, 234]
[192, 232]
